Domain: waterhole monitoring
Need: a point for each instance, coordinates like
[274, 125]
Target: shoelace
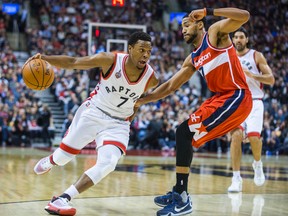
[168, 195]
[46, 163]
[64, 201]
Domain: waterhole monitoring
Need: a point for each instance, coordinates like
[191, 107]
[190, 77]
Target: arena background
[70, 27]
[148, 169]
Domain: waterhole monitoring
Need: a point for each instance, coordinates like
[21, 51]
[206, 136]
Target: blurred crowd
[63, 30]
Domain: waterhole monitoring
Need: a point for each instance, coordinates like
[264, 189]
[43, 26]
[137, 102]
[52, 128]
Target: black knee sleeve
[184, 150]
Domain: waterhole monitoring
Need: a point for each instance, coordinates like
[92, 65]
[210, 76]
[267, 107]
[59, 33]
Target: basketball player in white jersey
[257, 73]
[104, 117]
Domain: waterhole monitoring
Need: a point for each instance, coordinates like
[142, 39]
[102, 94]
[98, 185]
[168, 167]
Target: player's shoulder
[258, 56]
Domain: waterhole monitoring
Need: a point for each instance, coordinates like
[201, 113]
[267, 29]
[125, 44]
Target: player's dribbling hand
[197, 14]
[36, 56]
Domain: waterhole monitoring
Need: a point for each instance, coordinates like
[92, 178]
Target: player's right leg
[254, 128]
[236, 153]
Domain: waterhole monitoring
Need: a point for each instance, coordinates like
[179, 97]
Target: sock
[65, 196]
[257, 162]
[71, 192]
[181, 182]
[236, 174]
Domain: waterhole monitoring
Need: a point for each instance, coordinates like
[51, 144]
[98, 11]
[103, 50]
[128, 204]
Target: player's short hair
[139, 35]
[241, 29]
[202, 20]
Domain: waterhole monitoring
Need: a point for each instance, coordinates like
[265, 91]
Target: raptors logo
[118, 74]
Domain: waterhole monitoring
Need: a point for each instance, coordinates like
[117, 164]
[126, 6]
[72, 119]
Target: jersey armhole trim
[110, 70]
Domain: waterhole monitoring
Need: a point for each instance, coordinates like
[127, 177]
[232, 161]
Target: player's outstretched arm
[154, 81]
[62, 61]
[170, 86]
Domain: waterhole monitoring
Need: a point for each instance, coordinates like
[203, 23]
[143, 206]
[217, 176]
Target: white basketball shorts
[89, 124]
[253, 124]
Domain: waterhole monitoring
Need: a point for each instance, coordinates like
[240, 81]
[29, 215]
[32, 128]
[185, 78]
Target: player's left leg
[254, 128]
[256, 145]
[178, 201]
[81, 132]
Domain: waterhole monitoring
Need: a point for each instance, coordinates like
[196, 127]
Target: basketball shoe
[180, 205]
[236, 185]
[164, 200]
[259, 177]
[60, 206]
[44, 165]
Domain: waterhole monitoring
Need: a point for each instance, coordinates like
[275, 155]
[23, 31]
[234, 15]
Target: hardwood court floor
[130, 190]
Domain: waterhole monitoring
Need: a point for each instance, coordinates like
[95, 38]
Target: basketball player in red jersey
[215, 58]
[258, 73]
[104, 117]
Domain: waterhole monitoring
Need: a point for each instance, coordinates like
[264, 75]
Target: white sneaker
[43, 166]
[60, 206]
[236, 185]
[259, 177]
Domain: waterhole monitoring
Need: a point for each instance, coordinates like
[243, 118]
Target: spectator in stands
[166, 137]
[67, 122]
[150, 139]
[44, 121]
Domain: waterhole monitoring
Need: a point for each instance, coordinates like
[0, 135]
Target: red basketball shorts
[218, 115]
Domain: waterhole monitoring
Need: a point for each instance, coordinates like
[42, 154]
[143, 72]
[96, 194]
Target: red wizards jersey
[219, 66]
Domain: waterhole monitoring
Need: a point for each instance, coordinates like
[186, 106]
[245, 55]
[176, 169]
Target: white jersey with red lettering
[103, 117]
[248, 61]
[115, 94]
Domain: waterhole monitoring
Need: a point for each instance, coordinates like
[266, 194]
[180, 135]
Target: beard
[240, 47]
[192, 38]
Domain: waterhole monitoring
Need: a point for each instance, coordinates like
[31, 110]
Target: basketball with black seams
[37, 74]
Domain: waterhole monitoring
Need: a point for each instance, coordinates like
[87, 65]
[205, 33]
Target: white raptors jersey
[115, 94]
[248, 61]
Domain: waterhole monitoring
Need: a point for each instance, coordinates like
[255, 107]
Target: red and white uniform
[254, 122]
[232, 101]
[103, 117]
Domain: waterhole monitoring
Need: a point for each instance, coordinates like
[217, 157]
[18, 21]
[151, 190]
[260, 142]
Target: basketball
[37, 74]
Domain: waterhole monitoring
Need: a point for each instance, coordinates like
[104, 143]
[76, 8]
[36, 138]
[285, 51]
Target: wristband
[209, 11]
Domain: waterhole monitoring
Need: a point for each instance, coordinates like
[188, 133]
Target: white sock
[257, 162]
[236, 174]
[72, 191]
